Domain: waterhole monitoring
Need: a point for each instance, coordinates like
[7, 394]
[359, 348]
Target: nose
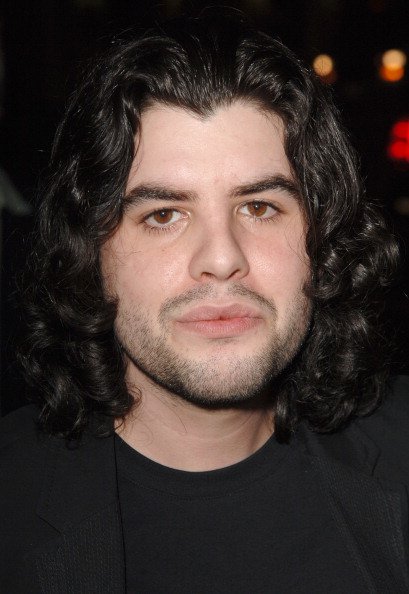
[218, 254]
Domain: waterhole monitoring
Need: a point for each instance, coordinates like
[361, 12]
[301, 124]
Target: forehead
[232, 145]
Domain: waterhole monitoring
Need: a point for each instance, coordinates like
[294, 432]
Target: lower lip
[221, 328]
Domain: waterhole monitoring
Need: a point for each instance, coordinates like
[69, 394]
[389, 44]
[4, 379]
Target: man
[205, 349]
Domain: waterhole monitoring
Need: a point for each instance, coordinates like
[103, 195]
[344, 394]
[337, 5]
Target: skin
[213, 226]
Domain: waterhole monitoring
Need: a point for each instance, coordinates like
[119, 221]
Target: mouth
[220, 322]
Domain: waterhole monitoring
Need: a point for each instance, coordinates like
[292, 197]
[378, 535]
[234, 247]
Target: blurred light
[391, 75]
[398, 147]
[324, 67]
[394, 59]
[401, 205]
[392, 66]
[400, 129]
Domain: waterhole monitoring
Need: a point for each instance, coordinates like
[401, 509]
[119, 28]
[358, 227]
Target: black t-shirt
[258, 526]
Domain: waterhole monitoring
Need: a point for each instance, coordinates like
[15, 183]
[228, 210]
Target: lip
[220, 321]
[214, 312]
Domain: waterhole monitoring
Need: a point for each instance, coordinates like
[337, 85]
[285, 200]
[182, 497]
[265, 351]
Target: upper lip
[216, 312]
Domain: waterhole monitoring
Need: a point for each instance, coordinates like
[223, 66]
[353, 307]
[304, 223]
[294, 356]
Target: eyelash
[158, 229]
[162, 229]
[268, 219]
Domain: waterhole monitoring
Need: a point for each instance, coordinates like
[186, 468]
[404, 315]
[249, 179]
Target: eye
[258, 210]
[165, 217]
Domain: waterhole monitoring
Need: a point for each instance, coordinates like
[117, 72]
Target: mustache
[211, 292]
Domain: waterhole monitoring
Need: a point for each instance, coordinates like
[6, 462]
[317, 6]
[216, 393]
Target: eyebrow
[147, 192]
[273, 182]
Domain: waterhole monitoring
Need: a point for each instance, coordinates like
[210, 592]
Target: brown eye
[258, 210]
[163, 218]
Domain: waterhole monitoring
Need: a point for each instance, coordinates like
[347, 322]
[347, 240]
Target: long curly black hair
[71, 356]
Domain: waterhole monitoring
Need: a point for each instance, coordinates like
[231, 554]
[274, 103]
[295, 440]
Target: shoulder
[388, 429]
[377, 444]
[22, 451]
[391, 420]
[23, 463]
[17, 425]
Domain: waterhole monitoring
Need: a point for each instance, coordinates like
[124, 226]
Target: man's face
[208, 264]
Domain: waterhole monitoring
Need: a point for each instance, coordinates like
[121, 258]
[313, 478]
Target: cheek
[162, 269]
[151, 277]
[280, 263]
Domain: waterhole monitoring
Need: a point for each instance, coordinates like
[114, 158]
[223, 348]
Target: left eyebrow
[274, 182]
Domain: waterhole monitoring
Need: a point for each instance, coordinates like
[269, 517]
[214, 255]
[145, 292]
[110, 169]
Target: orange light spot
[323, 65]
[391, 74]
[392, 65]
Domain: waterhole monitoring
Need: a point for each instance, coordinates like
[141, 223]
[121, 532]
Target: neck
[177, 434]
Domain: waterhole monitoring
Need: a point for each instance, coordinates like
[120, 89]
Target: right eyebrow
[273, 182]
[144, 193]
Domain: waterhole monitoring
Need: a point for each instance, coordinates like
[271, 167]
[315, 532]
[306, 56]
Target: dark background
[44, 43]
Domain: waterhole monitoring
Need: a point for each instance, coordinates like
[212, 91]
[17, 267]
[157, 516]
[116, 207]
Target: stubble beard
[213, 381]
